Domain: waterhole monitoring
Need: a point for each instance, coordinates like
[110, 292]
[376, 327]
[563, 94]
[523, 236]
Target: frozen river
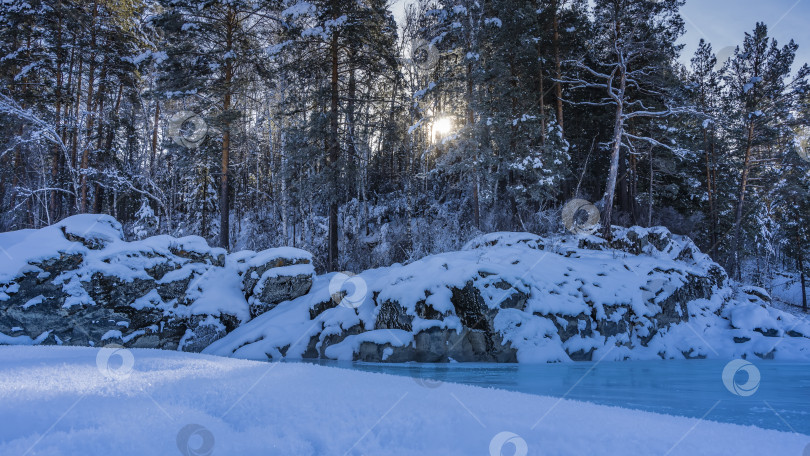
[780, 400]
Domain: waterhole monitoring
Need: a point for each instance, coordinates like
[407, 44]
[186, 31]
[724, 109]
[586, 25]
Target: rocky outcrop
[274, 276]
[510, 297]
[79, 283]
[506, 297]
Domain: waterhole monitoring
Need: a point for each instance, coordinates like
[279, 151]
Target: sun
[442, 127]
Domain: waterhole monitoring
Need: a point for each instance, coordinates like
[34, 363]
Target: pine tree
[761, 97]
[212, 50]
[634, 48]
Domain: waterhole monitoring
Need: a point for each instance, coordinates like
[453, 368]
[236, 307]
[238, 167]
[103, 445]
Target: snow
[32, 246]
[299, 9]
[22, 340]
[92, 226]
[218, 291]
[71, 401]
[33, 301]
[270, 255]
[753, 316]
[100, 244]
[493, 21]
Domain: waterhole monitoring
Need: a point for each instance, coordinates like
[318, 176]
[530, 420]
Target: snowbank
[71, 401]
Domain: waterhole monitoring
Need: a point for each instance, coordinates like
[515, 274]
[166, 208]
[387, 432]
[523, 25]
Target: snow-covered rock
[509, 297]
[78, 282]
[505, 297]
[273, 276]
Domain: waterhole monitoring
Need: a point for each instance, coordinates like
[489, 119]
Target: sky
[723, 23]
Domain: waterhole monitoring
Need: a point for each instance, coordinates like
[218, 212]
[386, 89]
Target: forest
[331, 126]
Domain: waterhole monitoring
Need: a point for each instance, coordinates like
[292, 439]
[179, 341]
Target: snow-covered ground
[85, 401]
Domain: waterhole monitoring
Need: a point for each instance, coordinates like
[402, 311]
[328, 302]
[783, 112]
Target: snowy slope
[82, 401]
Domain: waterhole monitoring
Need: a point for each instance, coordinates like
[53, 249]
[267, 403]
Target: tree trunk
[153, 154]
[542, 101]
[470, 121]
[736, 266]
[710, 189]
[618, 133]
[74, 152]
[804, 289]
[90, 83]
[558, 67]
[650, 190]
[55, 197]
[350, 123]
[224, 202]
[334, 155]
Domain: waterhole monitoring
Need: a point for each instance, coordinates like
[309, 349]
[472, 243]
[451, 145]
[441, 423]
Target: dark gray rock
[271, 291]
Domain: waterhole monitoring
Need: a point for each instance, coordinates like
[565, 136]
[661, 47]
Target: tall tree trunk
[224, 202]
[633, 187]
[153, 154]
[98, 192]
[542, 100]
[650, 190]
[102, 86]
[710, 190]
[804, 289]
[738, 217]
[470, 121]
[618, 133]
[90, 84]
[55, 197]
[334, 153]
[74, 151]
[558, 65]
[350, 123]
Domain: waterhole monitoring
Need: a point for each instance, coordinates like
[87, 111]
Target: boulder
[275, 275]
